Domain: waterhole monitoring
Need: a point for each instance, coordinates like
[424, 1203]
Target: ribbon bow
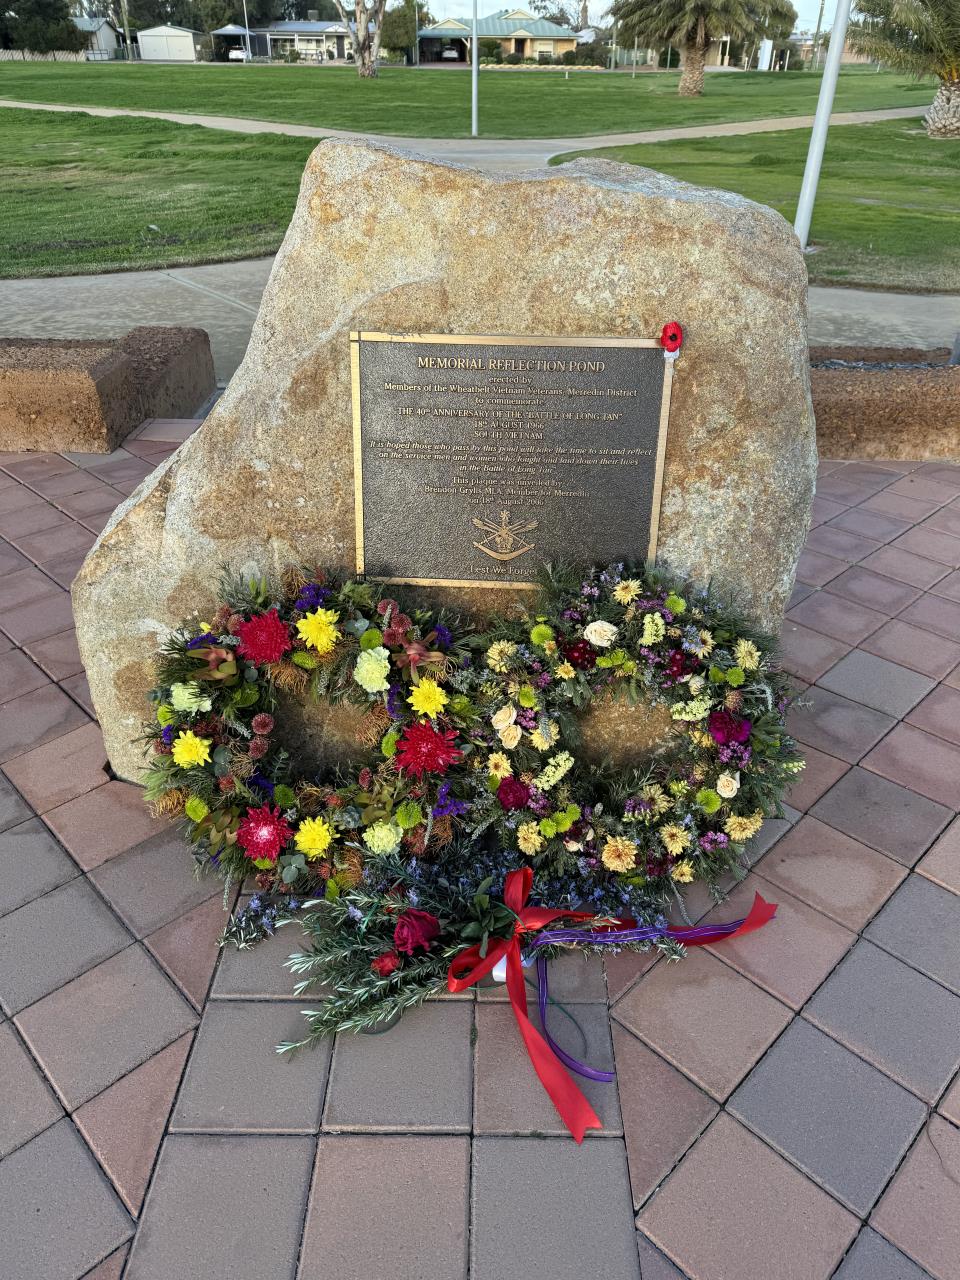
[547, 1057]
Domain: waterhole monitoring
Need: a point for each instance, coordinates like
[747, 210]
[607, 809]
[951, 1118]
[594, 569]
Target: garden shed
[168, 43]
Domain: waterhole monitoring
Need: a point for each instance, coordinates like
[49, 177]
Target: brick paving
[787, 1106]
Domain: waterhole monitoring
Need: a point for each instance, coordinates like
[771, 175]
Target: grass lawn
[888, 205]
[84, 194]
[437, 103]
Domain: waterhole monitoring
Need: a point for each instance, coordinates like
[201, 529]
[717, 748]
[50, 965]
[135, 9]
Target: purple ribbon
[543, 995]
[619, 937]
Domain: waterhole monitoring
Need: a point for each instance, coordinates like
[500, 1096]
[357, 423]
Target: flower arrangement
[471, 766]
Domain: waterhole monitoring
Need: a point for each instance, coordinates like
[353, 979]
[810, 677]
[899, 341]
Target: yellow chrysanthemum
[190, 751]
[565, 671]
[675, 838]
[314, 837]
[626, 591]
[619, 854]
[428, 699]
[747, 655]
[543, 741]
[498, 766]
[499, 655]
[319, 630]
[529, 838]
[743, 827]
[703, 645]
[682, 871]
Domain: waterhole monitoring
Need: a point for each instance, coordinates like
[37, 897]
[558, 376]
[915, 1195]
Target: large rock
[382, 240]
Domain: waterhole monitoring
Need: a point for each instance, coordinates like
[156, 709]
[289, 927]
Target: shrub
[513, 59]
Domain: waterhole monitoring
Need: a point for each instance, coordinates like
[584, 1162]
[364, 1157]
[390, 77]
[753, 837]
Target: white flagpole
[474, 78]
[821, 123]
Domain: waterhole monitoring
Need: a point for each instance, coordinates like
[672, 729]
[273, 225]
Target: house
[516, 30]
[313, 41]
[168, 43]
[103, 38]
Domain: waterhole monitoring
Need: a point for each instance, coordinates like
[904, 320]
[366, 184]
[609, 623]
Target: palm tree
[694, 24]
[922, 36]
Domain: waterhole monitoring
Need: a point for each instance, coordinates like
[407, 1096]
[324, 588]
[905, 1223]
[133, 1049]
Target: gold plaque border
[495, 340]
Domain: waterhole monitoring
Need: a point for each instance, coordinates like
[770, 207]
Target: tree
[366, 37]
[922, 37]
[692, 25]
[42, 26]
[564, 15]
[400, 26]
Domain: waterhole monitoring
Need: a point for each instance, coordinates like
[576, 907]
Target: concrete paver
[879, 1035]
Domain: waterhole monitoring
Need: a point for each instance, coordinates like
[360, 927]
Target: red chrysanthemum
[264, 638]
[671, 336]
[424, 749]
[263, 833]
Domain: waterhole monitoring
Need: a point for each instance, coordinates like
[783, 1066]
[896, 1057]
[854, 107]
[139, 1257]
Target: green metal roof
[498, 26]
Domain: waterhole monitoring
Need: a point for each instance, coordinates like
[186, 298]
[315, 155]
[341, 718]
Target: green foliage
[42, 26]
[917, 36]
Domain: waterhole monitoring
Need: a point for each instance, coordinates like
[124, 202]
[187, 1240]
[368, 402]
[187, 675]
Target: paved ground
[786, 1107]
[223, 298]
[488, 153]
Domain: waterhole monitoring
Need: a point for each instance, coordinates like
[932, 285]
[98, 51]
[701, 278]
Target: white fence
[27, 55]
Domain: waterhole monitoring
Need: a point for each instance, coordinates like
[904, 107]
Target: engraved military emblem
[503, 541]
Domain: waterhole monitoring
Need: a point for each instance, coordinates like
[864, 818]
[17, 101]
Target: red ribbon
[470, 966]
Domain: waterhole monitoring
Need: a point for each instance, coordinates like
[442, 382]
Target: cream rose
[728, 784]
[600, 634]
[505, 716]
[510, 735]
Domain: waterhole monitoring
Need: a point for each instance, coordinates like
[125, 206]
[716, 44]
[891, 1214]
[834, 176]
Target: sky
[807, 10]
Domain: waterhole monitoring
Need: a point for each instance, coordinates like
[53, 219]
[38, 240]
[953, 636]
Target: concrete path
[223, 299]
[507, 154]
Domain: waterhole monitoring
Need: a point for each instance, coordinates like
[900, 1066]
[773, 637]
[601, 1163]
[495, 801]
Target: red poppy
[671, 336]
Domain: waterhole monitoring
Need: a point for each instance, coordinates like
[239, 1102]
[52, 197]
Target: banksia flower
[288, 678]
[416, 841]
[263, 880]
[373, 726]
[170, 804]
[225, 784]
[734, 700]
[221, 619]
[350, 872]
[442, 832]
[241, 766]
[233, 621]
[310, 798]
[293, 578]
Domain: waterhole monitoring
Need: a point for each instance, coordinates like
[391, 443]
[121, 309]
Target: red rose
[384, 965]
[513, 794]
[415, 929]
[726, 728]
[671, 336]
[581, 654]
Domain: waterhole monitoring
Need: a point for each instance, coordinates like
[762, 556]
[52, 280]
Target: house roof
[231, 29]
[508, 22]
[92, 24]
[293, 27]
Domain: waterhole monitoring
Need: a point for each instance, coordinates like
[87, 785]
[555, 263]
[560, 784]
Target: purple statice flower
[395, 702]
[443, 636]
[207, 638]
[311, 596]
[167, 734]
[447, 805]
[258, 780]
[538, 802]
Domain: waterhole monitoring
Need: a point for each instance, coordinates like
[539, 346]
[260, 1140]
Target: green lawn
[888, 205]
[83, 194]
[437, 103]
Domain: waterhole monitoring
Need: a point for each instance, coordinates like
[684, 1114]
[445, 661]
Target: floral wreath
[469, 767]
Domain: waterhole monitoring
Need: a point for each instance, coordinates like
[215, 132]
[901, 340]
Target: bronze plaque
[477, 459]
